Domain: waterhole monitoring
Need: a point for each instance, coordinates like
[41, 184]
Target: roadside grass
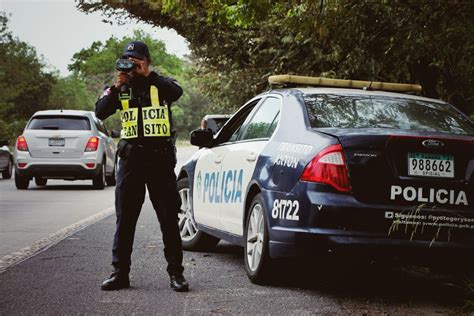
[469, 304]
[183, 143]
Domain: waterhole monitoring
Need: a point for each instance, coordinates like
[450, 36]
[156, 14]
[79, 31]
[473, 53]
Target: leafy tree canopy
[95, 65]
[427, 42]
[25, 86]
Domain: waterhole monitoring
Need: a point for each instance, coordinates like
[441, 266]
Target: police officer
[148, 158]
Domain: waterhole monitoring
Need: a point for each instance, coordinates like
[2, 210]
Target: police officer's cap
[136, 49]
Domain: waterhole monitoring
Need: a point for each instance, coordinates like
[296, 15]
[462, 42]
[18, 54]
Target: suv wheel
[7, 173]
[21, 182]
[111, 180]
[98, 182]
[41, 181]
[191, 237]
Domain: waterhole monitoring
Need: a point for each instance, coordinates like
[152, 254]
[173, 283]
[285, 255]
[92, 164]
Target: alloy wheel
[187, 225]
[255, 231]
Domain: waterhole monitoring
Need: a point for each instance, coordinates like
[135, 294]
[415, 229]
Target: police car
[333, 165]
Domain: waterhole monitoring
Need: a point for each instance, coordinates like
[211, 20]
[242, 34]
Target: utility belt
[127, 149]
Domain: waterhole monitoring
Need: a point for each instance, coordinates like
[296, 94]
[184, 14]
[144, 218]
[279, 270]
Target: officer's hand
[141, 67]
[122, 77]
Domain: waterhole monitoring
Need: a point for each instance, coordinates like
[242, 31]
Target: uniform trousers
[153, 168]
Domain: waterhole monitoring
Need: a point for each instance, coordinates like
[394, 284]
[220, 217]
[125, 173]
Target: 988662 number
[431, 165]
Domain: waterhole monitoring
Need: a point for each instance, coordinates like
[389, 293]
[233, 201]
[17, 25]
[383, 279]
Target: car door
[239, 158]
[208, 179]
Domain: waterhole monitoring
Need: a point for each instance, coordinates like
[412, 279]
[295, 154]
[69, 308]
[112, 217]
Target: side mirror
[4, 143]
[202, 138]
[115, 134]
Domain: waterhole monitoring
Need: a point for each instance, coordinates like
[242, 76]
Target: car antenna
[369, 88]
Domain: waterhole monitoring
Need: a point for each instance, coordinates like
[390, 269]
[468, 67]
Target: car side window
[233, 129]
[264, 121]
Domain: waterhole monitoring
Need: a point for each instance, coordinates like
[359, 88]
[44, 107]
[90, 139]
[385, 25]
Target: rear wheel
[98, 182]
[41, 181]
[258, 263]
[111, 180]
[21, 182]
[192, 238]
[7, 173]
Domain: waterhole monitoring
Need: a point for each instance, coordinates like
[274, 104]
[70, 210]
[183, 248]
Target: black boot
[116, 282]
[179, 283]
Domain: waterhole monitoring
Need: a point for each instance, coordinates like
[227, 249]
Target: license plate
[56, 142]
[430, 165]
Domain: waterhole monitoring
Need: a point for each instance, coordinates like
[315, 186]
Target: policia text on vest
[147, 161]
[156, 122]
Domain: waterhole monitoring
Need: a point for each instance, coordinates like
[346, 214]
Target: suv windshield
[361, 111]
[60, 123]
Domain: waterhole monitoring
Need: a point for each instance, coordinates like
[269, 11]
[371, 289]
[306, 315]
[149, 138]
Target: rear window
[60, 123]
[356, 111]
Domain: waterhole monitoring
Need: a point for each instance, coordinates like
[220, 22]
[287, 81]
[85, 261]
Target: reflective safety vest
[156, 122]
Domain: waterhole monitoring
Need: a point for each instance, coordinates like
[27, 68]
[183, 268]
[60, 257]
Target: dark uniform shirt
[168, 90]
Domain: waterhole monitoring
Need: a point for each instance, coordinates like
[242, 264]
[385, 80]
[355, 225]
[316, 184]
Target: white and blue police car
[327, 164]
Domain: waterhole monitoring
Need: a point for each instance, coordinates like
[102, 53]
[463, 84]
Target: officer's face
[141, 66]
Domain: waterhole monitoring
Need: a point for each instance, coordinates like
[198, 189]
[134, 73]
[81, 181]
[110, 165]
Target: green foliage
[469, 304]
[237, 44]
[100, 57]
[24, 84]
[94, 67]
[71, 93]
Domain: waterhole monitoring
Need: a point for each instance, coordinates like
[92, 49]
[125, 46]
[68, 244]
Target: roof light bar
[342, 83]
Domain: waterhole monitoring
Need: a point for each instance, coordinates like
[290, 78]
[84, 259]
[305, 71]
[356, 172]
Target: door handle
[217, 159]
[251, 157]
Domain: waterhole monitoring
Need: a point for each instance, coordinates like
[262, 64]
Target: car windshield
[60, 123]
[361, 111]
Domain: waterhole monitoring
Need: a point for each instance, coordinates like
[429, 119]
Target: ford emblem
[432, 143]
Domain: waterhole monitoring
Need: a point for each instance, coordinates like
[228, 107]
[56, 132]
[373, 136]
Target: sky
[58, 30]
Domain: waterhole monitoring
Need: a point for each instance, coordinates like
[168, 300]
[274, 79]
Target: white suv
[65, 144]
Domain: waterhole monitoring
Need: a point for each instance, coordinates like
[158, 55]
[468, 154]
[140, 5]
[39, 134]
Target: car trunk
[412, 168]
[56, 143]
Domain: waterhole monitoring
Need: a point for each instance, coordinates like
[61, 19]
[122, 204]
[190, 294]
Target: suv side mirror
[4, 143]
[202, 138]
[115, 134]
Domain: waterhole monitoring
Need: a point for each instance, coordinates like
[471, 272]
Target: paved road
[39, 216]
[65, 278]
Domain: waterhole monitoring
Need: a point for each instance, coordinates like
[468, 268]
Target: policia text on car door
[148, 158]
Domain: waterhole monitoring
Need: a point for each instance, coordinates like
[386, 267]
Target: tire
[21, 182]
[98, 183]
[7, 173]
[192, 238]
[258, 263]
[111, 180]
[40, 181]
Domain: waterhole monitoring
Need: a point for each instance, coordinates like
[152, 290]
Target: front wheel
[256, 255]
[192, 238]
